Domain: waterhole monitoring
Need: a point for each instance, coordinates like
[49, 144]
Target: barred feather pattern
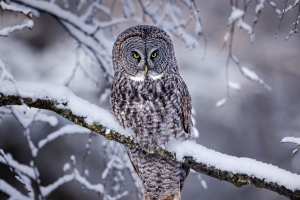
[157, 110]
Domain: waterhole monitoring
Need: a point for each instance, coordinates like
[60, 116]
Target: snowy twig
[26, 12]
[11, 191]
[6, 31]
[70, 177]
[17, 177]
[26, 24]
[86, 30]
[223, 167]
[65, 130]
[237, 18]
[292, 140]
[295, 24]
[24, 169]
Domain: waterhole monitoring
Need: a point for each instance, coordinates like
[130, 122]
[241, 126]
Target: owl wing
[186, 109]
[187, 122]
[129, 152]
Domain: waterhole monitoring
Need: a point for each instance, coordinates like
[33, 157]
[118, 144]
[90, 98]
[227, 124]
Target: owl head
[144, 52]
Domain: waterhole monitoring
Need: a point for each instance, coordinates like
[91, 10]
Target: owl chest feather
[152, 109]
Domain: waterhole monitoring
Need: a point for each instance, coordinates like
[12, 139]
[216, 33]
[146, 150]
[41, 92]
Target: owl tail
[176, 196]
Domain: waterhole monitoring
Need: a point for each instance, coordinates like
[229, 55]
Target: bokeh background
[251, 123]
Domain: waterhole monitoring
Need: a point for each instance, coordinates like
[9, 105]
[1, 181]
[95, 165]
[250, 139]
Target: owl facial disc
[144, 58]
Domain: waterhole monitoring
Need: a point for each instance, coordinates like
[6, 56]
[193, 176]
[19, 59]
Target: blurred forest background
[251, 123]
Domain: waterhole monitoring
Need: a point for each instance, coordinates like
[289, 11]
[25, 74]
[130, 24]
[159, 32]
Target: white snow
[250, 167]
[108, 167]
[250, 74]
[4, 110]
[272, 3]
[70, 177]
[195, 132]
[19, 179]
[65, 130]
[26, 116]
[291, 140]
[104, 96]
[226, 36]
[20, 167]
[11, 191]
[26, 24]
[2, 152]
[259, 6]
[66, 100]
[295, 151]
[203, 183]
[13, 8]
[235, 15]
[235, 59]
[245, 26]
[73, 159]
[59, 12]
[80, 4]
[221, 102]
[234, 86]
[52, 120]
[254, 77]
[66, 167]
[291, 6]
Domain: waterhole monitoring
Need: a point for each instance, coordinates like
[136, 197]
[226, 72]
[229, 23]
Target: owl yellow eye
[153, 55]
[136, 55]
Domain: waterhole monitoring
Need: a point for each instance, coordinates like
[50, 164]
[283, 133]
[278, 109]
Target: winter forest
[240, 61]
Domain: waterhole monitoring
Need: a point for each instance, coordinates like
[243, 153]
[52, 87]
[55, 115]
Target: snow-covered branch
[70, 177]
[24, 169]
[238, 171]
[11, 191]
[26, 24]
[12, 8]
[6, 31]
[292, 140]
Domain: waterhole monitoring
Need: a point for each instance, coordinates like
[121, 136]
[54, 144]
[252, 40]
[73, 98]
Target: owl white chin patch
[137, 78]
[142, 77]
[156, 77]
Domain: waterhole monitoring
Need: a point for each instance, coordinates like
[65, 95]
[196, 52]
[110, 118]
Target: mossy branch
[238, 179]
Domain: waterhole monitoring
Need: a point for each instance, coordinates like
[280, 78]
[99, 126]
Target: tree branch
[238, 171]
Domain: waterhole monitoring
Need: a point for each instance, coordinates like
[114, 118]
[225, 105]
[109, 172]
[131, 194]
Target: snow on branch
[85, 29]
[65, 130]
[292, 140]
[24, 169]
[26, 24]
[237, 18]
[6, 31]
[26, 12]
[238, 171]
[70, 177]
[17, 174]
[55, 10]
[290, 7]
[11, 192]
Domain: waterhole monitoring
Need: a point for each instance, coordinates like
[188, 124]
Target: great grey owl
[149, 96]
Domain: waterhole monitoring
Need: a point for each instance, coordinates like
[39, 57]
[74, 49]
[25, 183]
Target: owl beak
[146, 68]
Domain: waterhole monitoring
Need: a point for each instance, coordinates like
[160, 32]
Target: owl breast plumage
[149, 97]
